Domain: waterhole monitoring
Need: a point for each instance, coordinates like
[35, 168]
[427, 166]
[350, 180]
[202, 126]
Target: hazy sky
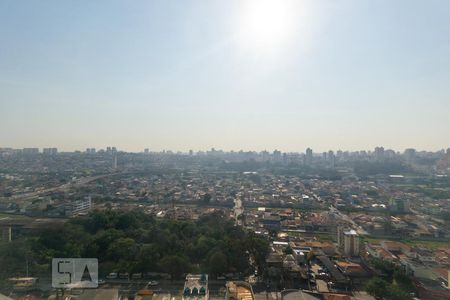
[226, 74]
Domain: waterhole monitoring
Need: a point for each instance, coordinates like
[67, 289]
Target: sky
[242, 74]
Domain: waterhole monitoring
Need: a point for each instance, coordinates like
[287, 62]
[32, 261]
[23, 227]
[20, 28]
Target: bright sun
[265, 24]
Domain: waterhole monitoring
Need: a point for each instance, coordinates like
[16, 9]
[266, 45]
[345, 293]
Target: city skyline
[241, 74]
[55, 150]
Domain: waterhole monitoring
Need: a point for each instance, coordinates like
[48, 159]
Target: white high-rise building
[351, 243]
[78, 206]
[115, 162]
[309, 156]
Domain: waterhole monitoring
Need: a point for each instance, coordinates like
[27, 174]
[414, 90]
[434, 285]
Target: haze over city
[249, 75]
[225, 150]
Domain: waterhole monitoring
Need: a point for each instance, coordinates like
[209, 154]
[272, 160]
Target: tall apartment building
[50, 151]
[78, 206]
[348, 240]
[351, 243]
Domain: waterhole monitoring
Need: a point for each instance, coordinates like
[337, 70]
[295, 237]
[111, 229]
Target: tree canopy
[135, 242]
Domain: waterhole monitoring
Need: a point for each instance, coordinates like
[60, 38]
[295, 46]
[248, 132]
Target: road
[64, 187]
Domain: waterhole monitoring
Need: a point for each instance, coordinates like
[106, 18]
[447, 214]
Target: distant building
[111, 150]
[78, 206]
[265, 155]
[410, 154]
[149, 294]
[93, 294]
[397, 205]
[271, 221]
[50, 151]
[379, 153]
[340, 236]
[277, 155]
[196, 287]
[331, 159]
[351, 243]
[114, 164]
[30, 151]
[300, 295]
[239, 290]
[23, 283]
[308, 156]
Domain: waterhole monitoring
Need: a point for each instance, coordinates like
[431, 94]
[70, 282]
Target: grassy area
[372, 240]
[429, 244]
[414, 243]
[13, 216]
[324, 237]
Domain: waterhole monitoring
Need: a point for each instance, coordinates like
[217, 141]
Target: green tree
[13, 258]
[396, 293]
[148, 256]
[385, 266]
[218, 263]
[378, 288]
[175, 265]
[122, 248]
[259, 249]
[381, 289]
[101, 241]
[127, 221]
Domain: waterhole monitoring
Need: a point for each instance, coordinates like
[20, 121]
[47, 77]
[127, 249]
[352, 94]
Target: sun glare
[265, 24]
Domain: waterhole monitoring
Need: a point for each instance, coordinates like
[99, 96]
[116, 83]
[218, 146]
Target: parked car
[152, 283]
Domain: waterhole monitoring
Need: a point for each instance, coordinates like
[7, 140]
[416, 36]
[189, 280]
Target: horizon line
[63, 150]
